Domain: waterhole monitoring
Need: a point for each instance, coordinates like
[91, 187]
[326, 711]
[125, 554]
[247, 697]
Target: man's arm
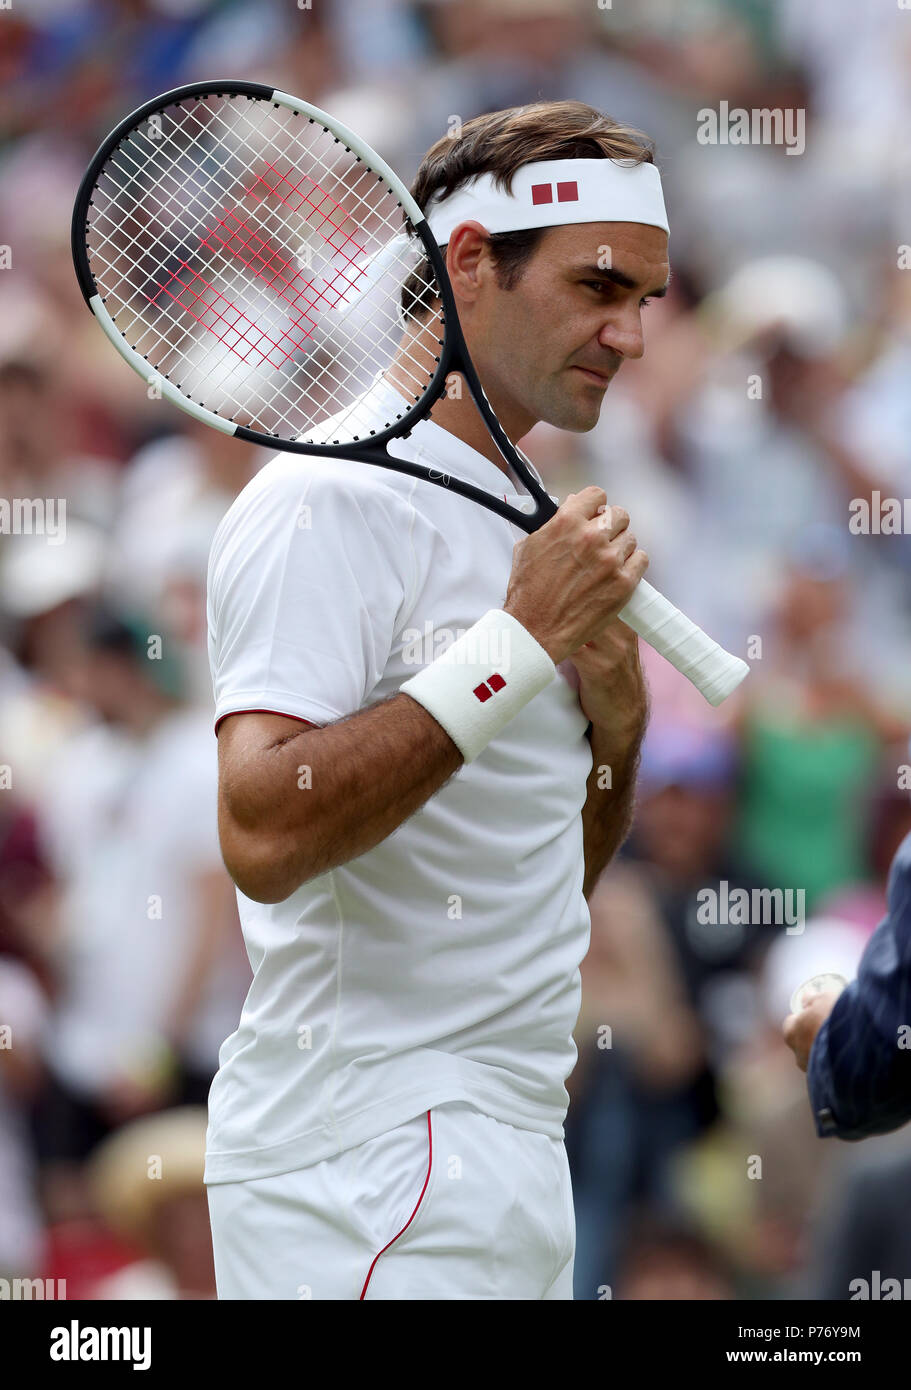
[612, 693]
[610, 796]
[296, 801]
[856, 1047]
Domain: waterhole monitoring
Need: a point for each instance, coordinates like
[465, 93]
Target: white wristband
[476, 686]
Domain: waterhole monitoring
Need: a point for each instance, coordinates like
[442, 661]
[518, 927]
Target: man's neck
[459, 416]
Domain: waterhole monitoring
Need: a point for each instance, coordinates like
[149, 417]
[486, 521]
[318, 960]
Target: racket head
[246, 252]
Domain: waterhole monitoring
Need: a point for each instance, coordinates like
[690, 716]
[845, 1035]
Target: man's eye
[603, 285]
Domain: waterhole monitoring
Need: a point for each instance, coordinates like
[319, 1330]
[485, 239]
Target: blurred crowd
[773, 391]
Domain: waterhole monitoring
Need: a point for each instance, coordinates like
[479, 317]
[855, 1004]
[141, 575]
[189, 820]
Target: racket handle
[713, 671]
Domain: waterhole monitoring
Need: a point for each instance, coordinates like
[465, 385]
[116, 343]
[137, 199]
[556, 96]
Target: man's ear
[467, 260]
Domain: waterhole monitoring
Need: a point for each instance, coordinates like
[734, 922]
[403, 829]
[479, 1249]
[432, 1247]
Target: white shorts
[452, 1204]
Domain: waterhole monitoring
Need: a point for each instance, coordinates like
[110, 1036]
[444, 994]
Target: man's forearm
[608, 811]
[324, 796]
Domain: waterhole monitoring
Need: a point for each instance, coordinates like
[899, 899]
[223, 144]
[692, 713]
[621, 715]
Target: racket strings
[242, 326]
[235, 235]
[195, 240]
[152, 160]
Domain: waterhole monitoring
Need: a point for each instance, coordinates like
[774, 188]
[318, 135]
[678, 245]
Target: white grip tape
[484, 678]
[713, 671]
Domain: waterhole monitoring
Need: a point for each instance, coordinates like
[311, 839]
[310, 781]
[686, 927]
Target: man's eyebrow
[625, 282]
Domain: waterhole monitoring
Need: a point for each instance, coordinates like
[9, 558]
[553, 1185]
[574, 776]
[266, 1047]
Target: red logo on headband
[544, 192]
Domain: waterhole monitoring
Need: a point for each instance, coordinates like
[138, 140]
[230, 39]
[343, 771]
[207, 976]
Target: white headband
[553, 193]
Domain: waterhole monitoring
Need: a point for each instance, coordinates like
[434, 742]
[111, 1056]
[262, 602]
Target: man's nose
[622, 332]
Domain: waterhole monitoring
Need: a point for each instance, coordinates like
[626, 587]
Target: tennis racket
[258, 264]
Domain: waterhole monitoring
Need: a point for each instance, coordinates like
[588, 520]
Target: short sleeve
[310, 573]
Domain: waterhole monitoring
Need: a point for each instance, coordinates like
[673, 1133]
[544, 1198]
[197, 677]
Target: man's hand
[573, 575]
[611, 685]
[800, 1029]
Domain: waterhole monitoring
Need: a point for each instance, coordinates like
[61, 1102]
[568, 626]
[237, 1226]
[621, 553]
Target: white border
[359, 147]
[149, 374]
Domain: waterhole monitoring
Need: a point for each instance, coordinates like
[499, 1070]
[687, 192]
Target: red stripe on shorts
[413, 1214]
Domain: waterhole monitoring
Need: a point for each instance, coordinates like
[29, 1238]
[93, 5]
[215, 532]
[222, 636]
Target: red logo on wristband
[489, 687]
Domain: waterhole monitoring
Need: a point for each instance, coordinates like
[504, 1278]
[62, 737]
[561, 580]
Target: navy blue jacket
[859, 1073]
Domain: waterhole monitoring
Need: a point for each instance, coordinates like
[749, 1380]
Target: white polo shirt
[444, 963]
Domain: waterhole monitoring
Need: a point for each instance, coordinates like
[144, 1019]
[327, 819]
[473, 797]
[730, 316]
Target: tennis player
[413, 865]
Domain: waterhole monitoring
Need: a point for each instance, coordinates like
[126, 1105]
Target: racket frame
[453, 356]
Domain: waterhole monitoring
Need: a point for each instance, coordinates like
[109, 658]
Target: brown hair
[499, 143]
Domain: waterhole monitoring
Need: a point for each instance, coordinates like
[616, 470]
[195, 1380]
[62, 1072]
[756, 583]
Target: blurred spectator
[860, 1240]
[751, 1181]
[639, 1049]
[26, 901]
[45, 590]
[743, 437]
[672, 993]
[670, 1261]
[889, 821]
[23, 1019]
[148, 985]
[36, 460]
[813, 734]
[146, 1181]
[175, 492]
[682, 851]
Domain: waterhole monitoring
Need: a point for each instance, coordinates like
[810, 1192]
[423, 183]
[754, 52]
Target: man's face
[548, 348]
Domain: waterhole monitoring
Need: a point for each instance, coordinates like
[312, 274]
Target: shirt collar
[435, 447]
